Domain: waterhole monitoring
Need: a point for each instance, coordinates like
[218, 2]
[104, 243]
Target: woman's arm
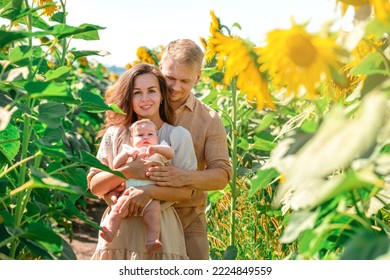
[104, 182]
[168, 193]
[205, 180]
[120, 159]
[140, 196]
[181, 142]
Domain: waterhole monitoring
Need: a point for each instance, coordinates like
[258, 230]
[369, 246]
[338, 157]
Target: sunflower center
[300, 50]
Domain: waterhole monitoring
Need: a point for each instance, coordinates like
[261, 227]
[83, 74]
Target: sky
[130, 24]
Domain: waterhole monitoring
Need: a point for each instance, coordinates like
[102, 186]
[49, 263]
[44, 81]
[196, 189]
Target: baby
[144, 142]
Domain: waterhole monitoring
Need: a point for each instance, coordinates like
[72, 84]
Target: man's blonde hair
[184, 52]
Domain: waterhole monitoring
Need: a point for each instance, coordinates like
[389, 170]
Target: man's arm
[139, 197]
[206, 180]
[218, 171]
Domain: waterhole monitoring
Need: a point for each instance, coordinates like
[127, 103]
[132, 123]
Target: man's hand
[169, 176]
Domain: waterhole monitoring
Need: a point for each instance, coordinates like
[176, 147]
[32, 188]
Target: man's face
[180, 80]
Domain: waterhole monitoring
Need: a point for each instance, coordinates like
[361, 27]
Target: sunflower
[215, 25]
[144, 55]
[381, 7]
[238, 60]
[113, 77]
[366, 47]
[83, 61]
[203, 42]
[48, 10]
[338, 92]
[297, 60]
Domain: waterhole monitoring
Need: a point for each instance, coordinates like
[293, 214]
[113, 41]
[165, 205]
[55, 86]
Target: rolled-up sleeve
[216, 149]
[105, 152]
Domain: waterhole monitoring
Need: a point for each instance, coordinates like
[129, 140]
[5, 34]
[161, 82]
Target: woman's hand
[137, 198]
[111, 197]
[135, 169]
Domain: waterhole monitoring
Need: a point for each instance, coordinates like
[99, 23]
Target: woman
[141, 92]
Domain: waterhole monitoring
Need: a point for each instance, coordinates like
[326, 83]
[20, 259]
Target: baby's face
[144, 135]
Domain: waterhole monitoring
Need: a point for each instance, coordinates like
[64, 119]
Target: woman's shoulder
[171, 134]
[168, 129]
[179, 131]
[115, 130]
[116, 134]
[111, 130]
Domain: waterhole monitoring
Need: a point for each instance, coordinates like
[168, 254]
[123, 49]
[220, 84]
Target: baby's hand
[144, 152]
[152, 150]
[134, 154]
[131, 153]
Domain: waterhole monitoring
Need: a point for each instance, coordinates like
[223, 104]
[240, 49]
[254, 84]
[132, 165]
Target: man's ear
[198, 77]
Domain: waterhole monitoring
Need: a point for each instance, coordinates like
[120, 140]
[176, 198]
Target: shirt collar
[190, 102]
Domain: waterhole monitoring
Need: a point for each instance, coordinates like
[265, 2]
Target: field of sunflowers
[307, 117]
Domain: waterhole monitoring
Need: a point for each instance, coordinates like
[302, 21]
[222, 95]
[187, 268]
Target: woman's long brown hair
[121, 95]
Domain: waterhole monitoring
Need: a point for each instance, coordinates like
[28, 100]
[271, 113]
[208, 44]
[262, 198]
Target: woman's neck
[157, 121]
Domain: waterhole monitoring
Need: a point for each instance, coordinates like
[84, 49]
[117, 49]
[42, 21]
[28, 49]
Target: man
[181, 65]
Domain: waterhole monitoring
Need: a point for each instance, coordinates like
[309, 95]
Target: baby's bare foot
[106, 234]
[153, 246]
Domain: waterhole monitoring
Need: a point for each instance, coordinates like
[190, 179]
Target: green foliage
[45, 148]
[321, 162]
[310, 179]
[10, 143]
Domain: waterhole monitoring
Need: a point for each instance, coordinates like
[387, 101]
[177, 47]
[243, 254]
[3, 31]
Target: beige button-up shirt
[209, 137]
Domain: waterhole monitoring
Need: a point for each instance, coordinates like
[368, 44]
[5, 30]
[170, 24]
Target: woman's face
[146, 97]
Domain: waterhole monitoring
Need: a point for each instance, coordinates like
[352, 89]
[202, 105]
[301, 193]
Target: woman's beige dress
[129, 244]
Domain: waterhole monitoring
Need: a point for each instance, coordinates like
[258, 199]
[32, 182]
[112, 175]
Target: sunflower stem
[64, 42]
[234, 161]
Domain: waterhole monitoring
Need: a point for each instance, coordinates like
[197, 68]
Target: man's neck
[177, 105]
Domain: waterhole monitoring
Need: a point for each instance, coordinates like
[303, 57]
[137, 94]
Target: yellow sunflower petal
[297, 60]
